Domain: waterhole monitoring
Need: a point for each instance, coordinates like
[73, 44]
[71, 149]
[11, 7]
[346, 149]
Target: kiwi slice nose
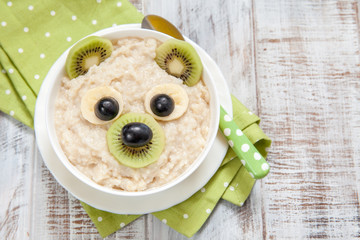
[136, 140]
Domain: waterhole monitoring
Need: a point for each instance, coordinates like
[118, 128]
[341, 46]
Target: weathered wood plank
[307, 63]
[16, 151]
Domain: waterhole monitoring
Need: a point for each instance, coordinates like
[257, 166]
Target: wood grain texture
[307, 64]
[16, 154]
[295, 64]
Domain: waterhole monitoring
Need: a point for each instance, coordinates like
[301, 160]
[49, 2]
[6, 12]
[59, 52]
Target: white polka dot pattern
[227, 131]
[265, 166]
[227, 118]
[249, 156]
[245, 147]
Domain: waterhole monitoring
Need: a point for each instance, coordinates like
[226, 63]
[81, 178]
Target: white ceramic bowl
[54, 78]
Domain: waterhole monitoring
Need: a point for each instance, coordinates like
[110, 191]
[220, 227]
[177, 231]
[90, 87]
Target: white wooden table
[297, 65]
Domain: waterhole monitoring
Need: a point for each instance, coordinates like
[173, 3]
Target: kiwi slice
[136, 140]
[86, 53]
[180, 59]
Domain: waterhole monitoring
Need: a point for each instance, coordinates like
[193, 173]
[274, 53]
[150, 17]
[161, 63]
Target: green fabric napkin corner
[33, 34]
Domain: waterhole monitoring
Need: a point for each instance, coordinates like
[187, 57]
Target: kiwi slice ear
[86, 53]
[180, 59]
[140, 153]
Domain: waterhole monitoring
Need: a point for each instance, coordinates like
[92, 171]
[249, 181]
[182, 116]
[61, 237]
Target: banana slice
[101, 105]
[166, 102]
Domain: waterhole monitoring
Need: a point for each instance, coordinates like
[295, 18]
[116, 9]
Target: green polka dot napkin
[33, 34]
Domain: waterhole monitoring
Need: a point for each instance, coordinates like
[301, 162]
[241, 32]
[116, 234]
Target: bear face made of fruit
[136, 139]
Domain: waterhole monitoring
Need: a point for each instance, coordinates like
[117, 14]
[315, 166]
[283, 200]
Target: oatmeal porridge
[131, 71]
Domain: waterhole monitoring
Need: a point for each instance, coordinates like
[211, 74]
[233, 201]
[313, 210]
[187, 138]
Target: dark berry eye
[136, 134]
[101, 105]
[162, 105]
[166, 102]
[106, 108]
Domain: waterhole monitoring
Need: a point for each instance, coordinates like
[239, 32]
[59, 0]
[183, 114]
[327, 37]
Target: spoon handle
[255, 164]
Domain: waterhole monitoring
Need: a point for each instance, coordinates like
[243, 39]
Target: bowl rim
[113, 34]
